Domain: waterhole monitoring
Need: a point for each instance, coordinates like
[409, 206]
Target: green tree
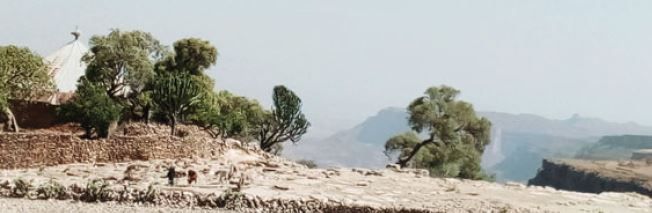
[455, 136]
[92, 108]
[23, 76]
[123, 64]
[174, 95]
[226, 115]
[191, 55]
[284, 122]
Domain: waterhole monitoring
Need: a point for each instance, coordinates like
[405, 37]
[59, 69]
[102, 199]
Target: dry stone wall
[24, 150]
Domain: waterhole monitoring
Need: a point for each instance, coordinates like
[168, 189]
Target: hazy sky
[347, 59]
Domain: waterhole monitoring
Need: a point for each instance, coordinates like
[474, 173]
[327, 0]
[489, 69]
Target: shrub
[230, 199]
[148, 196]
[308, 163]
[96, 190]
[52, 189]
[21, 187]
[92, 108]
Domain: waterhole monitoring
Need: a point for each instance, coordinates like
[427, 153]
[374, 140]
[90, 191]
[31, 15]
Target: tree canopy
[227, 115]
[284, 122]
[23, 76]
[122, 62]
[191, 55]
[454, 136]
[92, 108]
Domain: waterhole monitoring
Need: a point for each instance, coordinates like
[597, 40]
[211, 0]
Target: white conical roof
[66, 66]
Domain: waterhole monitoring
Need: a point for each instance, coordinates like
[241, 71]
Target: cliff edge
[595, 176]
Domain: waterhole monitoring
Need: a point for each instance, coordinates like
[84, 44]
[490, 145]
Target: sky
[347, 59]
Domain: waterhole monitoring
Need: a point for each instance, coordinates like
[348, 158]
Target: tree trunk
[174, 125]
[265, 146]
[403, 162]
[11, 119]
[146, 111]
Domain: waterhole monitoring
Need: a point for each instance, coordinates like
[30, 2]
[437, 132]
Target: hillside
[519, 141]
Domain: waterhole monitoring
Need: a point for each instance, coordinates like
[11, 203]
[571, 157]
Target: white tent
[66, 66]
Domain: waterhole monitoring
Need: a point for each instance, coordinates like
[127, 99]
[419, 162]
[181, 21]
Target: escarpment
[595, 176]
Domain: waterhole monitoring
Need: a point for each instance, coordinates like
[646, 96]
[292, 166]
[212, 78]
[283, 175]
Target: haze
[349, 59]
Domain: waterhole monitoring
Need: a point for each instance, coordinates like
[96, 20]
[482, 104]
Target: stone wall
[34, 115]
[22, 150]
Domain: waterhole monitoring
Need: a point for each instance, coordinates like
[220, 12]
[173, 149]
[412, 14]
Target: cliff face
[594, 176]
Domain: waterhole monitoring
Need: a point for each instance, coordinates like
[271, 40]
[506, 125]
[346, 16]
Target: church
[65, 66]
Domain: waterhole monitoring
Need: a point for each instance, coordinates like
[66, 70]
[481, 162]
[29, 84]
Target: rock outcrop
[595, 176]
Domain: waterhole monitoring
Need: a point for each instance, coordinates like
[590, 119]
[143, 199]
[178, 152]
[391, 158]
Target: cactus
[174, 94]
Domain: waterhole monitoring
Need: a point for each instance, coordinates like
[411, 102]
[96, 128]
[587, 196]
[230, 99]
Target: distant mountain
[519, 141]
[361, 146]
[574, 127]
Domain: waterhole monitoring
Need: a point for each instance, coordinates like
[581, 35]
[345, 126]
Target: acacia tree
[174, 95]
[23, 76]
[284, 122]
[123, 63]
[455, 136]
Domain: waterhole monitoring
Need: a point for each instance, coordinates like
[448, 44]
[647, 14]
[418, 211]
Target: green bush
[96, 190]
[307, 163]
[21, 187]
[227, 115]
[52, 189]
[148, 196]
[92, 108]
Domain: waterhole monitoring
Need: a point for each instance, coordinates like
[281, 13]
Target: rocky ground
[263, 178]
[11, 205]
